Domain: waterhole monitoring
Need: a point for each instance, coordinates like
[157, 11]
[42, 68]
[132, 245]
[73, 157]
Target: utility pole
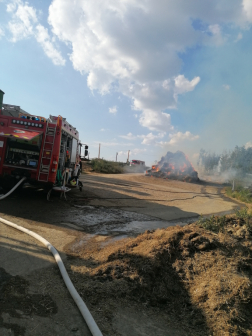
[116, 156]
[128, 155]
[99, 151]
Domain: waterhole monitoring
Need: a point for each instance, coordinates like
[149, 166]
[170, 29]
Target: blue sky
[133, 75]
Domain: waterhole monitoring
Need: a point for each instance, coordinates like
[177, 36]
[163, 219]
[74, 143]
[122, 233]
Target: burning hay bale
[175, 166]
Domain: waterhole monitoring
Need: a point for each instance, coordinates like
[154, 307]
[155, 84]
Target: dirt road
[163, 199]
[34, 300]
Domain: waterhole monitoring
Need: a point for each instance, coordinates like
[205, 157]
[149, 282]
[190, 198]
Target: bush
[214, 223]
[244, 215]
[240, 194]
[107, 167]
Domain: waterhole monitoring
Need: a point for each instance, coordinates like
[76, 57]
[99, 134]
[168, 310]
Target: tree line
[239, 159]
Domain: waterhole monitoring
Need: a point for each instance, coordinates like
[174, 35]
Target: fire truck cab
[35, 147]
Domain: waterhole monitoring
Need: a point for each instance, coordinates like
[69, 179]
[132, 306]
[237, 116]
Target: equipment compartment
[23, 153]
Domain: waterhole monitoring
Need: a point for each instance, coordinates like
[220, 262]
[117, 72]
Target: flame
[174, 166]
[183, 168]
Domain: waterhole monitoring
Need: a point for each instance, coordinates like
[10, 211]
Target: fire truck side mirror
[86, 152]
[86, 147]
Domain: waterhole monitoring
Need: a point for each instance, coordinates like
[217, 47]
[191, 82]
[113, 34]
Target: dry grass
[202, 278]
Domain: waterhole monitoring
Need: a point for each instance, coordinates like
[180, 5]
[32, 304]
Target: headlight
[14, 121]
[21, 122]
[32, 124]
[36, 125]
[18, 121]
[40, 125]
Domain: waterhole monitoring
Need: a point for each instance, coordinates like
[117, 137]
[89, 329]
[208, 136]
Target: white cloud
[247, 7]
[133, 46]
[248, 145]
[130, 46]
[147, 139]
[43, 38]
[156, 121]
[24, 23]
[239, 37]
[24, 18]
[178, 137]
[217, 37]
[183, 85]
[112, 144]
[120, 153]
[137, 151]
[151, 139]
[113, 110]
[129, 136]
[226, 87]
[11, 6]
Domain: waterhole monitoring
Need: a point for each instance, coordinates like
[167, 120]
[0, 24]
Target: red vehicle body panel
[49, 152]
[18, 133]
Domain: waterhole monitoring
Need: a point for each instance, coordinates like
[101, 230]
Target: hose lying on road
[95, 331]
[11, 191]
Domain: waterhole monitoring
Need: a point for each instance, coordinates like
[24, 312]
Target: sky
[140, 75]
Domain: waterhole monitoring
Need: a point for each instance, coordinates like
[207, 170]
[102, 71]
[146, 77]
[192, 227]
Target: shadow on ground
[148, 287]
[31, 204]
[16, 302]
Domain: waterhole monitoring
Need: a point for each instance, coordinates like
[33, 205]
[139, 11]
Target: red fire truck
[35, 147]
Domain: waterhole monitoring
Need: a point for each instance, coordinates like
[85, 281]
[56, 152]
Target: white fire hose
[95, 331]
[11, 191]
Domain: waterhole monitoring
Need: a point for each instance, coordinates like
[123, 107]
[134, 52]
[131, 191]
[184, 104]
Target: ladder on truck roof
[47, 151]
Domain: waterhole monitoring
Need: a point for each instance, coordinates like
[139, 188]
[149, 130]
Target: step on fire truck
[34, 147]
